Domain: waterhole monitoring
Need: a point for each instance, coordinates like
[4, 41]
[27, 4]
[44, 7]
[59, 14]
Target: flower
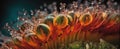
[67, 29]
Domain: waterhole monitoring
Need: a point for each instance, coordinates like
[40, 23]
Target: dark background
[10, 8]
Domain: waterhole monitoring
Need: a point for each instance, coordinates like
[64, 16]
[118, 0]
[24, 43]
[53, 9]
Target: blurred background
[9, 9]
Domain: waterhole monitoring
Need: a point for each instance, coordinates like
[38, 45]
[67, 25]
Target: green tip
[86, 16]
[72, 15]
[43, 28]
[60, 19]
[48, 20]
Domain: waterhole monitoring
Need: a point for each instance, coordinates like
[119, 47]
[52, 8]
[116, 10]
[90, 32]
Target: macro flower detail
[76, 27]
